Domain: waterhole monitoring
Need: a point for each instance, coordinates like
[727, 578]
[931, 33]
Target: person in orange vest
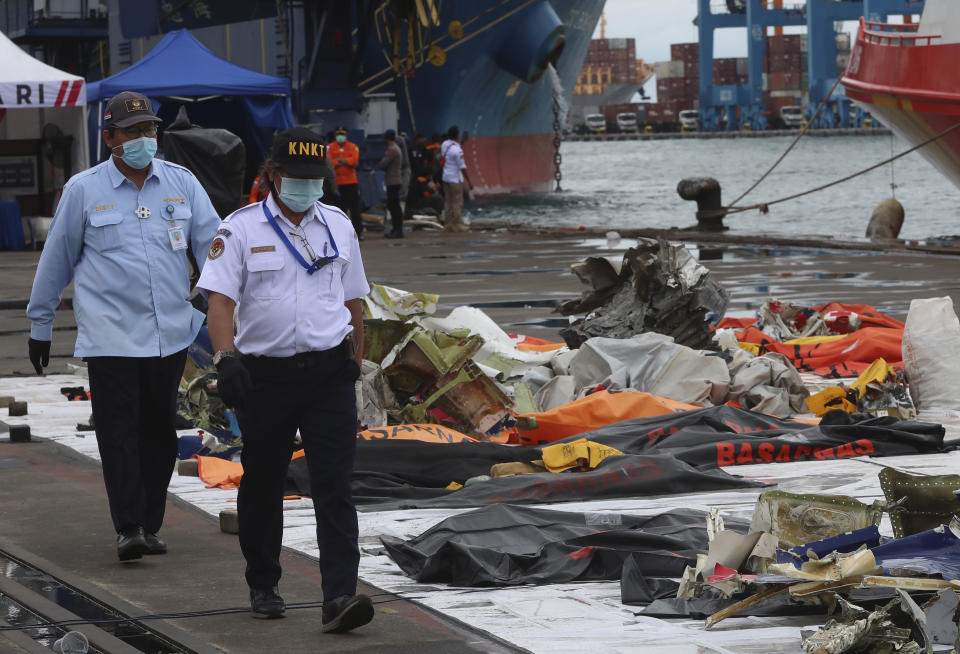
[258, 190]
[345, 155]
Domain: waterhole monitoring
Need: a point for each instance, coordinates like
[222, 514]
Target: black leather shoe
[393, 234]
[345, 613]
[155, 544]
[131, 543]
[267, 603]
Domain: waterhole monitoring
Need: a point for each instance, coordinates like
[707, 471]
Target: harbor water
[632, 184]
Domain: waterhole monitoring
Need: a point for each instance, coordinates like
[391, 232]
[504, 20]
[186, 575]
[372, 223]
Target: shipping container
[669, 69]
[784, 63]
[726, 67]
[685, 51]
[784, 81]
[785, 43]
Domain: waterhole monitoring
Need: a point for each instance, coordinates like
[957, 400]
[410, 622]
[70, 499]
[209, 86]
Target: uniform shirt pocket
[104, 230]
[331, 279]
[181, 215]
[264, 278]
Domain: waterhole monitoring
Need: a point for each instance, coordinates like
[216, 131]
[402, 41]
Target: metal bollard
[706, 191]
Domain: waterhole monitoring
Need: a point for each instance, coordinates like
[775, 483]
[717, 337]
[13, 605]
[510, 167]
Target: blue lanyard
[319, 262]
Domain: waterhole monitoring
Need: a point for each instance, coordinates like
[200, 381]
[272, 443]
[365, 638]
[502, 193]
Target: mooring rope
[764, 206]
[803, 130]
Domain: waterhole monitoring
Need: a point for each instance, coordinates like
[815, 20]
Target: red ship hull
[510, 164]
[911, 83]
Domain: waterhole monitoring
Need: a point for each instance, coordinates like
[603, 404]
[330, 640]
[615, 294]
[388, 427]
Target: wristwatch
[221, 355]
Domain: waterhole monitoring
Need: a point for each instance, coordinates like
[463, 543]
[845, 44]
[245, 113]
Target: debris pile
[647, 399]
[658, 288]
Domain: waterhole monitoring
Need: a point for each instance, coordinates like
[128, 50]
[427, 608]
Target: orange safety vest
[346, 174]
[258, 190]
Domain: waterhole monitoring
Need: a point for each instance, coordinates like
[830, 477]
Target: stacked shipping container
[611, 61]
[620, 55]
[785, 78]
[677, 84]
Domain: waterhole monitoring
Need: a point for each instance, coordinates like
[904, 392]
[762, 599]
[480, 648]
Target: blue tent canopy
[181, 67]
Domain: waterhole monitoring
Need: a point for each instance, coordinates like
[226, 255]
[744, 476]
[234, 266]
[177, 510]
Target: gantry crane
[718, 104]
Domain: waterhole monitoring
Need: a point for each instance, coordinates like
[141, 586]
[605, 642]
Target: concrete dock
[52, 504]
[727, 134]
[517, 277]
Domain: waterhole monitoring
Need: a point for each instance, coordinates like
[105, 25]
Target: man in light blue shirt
[121, 233]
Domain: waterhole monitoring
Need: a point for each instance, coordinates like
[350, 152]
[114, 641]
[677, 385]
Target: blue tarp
[182, 67]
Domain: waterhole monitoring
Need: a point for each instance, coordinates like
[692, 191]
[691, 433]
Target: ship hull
[496, 92]
[912, 85]
[513, 164]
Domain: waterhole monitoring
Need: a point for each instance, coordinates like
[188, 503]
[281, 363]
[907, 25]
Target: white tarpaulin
[34, 94]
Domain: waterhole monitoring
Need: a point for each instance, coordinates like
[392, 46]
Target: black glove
[39, 354]
[233, 382]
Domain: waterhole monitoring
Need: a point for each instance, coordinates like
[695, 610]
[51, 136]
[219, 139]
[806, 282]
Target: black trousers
[320, 401]
[393, 204]
[134, 403]
[350, 204]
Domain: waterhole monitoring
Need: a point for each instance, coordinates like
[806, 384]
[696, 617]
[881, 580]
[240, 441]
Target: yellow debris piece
[813, 340]
[580, 454]
[836, 397]
[828, 399]
[498, 470]
[877, 373]
[454, 486]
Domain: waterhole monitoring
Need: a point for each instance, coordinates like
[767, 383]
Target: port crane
[719, 104]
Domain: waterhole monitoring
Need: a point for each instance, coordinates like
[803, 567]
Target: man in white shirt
[454, 175]
[292, 266]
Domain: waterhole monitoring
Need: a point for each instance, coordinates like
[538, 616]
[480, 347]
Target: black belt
[304, 360]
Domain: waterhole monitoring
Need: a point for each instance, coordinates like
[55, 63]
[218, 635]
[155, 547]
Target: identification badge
[177, 239]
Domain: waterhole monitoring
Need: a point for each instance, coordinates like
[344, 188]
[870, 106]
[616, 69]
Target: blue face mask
[300, 194]
[139, 152]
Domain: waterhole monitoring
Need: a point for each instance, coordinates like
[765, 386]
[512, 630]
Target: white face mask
[300, 194]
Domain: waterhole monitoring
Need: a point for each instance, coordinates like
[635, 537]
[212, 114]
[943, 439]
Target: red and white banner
[68, 93]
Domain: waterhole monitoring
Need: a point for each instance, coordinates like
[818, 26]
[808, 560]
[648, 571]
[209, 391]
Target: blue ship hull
[490, 82]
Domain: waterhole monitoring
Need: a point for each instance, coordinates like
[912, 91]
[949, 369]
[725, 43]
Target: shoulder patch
[216, 248]
[224, 232]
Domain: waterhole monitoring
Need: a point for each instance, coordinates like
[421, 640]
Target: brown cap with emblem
[128, 108]
[300, 152]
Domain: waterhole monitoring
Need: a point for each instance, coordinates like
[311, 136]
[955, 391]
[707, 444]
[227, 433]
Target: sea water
[633, 184]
